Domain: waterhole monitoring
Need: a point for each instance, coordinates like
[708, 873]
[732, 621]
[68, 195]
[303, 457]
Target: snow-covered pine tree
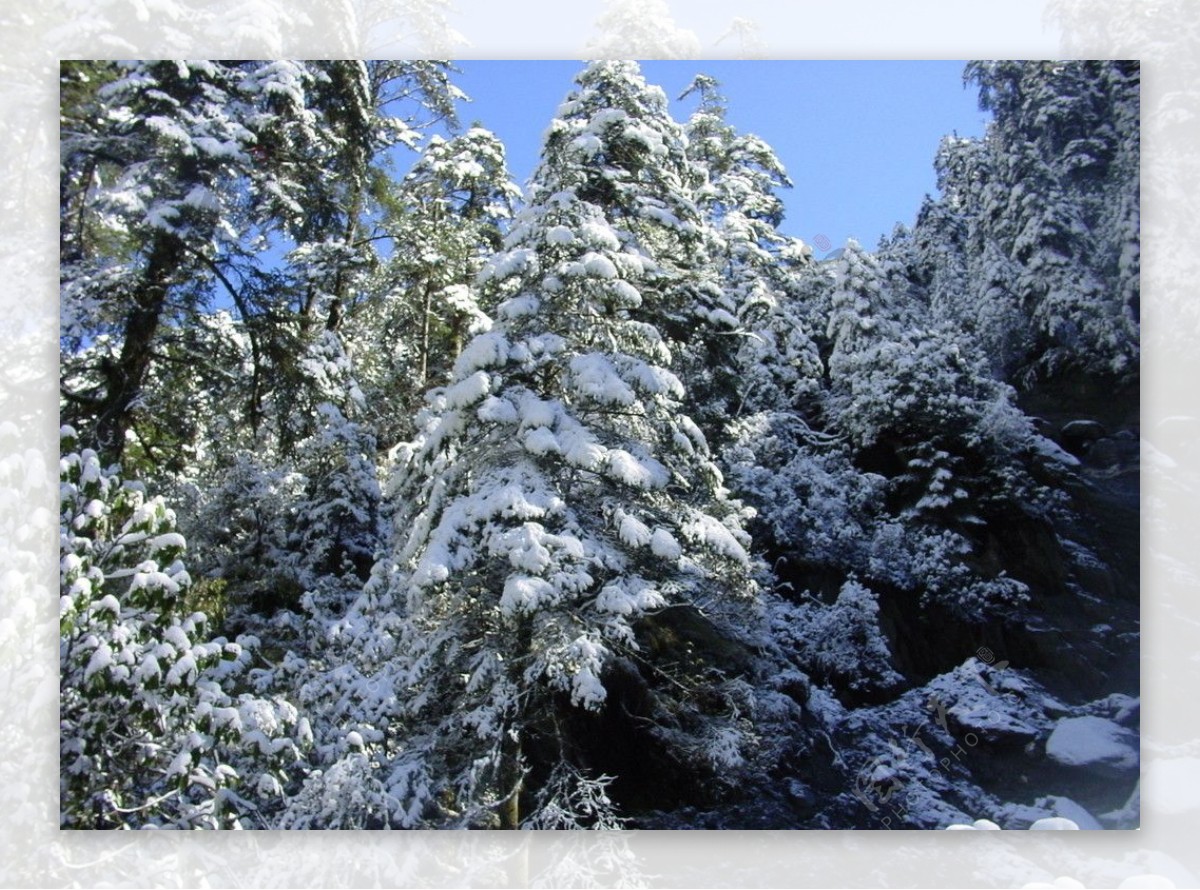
[565, 551]
[860, 315]
[173, 174]
[226, 399]
[767, 361]
[443, 219]
[271, 527]
[178, 180]
[967, 277]
[367, 109]
[918, 405]
[336, 521]
[1049, 199]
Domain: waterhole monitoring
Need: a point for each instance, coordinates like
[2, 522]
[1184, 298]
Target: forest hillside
[428, 499]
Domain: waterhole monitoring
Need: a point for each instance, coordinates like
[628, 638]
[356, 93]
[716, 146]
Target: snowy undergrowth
[155, 728]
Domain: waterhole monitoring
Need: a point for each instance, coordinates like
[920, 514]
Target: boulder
[1094, 744]
[1077, 436]
[1065, 808]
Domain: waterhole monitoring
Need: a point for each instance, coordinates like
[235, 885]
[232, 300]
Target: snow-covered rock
[977, 825]
[1054, 823]
[1065, 808]
[1093, 743]
[998, 705]
[1051, 452]
[1118, 707]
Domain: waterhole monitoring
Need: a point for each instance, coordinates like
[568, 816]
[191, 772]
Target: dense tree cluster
[593, 504]
[1039, 223]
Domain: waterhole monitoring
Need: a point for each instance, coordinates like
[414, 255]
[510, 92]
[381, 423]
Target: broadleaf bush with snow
[152, 731]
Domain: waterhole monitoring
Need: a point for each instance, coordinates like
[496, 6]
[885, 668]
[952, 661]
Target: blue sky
[858, 138]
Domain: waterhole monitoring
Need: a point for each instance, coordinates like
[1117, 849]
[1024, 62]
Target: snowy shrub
[569, 800]
[152, 733]
[810, 498]
[820, 513]
[919, 402]
[840, 643]
[241, 531]
[932, 561]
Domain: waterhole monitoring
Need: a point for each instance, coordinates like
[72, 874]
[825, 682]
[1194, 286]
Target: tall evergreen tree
[764, 358]
[556, 507]
[443, 220]
[177, 179]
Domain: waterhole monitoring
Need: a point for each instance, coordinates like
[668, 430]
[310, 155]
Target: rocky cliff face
[1029, 716]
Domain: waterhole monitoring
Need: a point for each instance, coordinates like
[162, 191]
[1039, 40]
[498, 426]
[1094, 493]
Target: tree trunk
[458, 331]
[510, 782]
[125, 378]
[511, 771]
[426, 313]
